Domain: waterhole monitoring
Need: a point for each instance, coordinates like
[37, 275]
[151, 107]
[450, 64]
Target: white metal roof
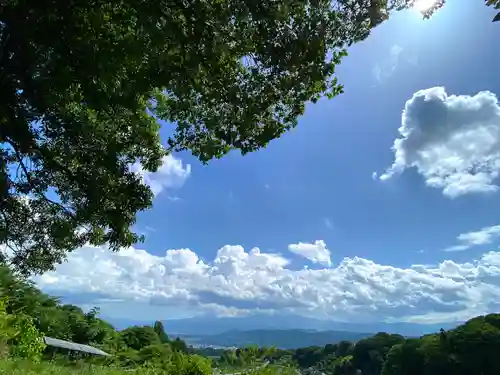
[73, 346]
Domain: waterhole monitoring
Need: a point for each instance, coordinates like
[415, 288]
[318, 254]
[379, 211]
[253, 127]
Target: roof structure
[73, 346]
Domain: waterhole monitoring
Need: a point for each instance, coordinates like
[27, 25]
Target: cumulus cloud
[315, 252]
[171, 174]
[484, 236]
[453, 141]
[237, 282]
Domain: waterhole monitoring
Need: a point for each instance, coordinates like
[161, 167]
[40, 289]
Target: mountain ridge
[283, 339]
[261, 329]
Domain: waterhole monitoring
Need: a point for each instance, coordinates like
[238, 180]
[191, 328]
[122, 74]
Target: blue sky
[419, 246]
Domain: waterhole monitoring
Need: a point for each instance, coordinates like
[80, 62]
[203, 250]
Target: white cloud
[316, 252]
[452, 141]
[136, 284]
[481, 237]
[387, 69]
[455, 248]
[484, 236]
[174, 199]
[171, 174]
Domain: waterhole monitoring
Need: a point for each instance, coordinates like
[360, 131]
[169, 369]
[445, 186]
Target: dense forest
[27, 314]
[466, 350]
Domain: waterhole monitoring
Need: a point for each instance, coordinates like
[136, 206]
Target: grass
[258, 370]
[24, 367]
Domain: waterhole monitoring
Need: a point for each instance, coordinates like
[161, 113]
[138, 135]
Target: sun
[424, 5]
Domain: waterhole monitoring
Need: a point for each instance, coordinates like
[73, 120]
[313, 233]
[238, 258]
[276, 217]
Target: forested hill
[470, 349]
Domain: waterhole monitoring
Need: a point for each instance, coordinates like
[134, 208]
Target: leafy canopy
[83, 83]
[160, 331]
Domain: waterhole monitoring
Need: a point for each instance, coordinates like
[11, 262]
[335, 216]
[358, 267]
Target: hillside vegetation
[27, 314]
[469, 349]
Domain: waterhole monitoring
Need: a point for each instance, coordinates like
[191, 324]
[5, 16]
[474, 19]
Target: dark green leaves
[160, 331]
[75, 86]
[77, 79]
[249, 85]
[495, 4]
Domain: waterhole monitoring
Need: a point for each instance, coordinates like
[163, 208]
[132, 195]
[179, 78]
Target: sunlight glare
[423, 5]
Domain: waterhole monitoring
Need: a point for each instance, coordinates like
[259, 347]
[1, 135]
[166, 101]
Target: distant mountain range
[205, 325]
[284, 339]
[285, 331]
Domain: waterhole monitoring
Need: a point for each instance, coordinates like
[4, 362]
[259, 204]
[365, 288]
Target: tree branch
[20, 161]
[30, 182]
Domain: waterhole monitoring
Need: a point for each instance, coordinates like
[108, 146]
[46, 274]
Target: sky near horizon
[382, 205]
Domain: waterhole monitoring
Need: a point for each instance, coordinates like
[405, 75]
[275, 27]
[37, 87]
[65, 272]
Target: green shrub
[190, 365]
[19, 334]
